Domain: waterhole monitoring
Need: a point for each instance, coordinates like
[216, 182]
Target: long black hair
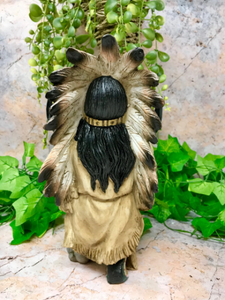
[105, 151]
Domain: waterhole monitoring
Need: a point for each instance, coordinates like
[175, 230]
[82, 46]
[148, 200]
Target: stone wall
[194, 38]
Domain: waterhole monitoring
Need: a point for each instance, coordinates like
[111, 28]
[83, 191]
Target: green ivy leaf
[8, 162]
[5, 198]
[178, 212]
[199, 186]
[6, 215]
[161, 213]
[147, 224]
[8, 180]
[177, 160]
[28, 151]
[28, 205]
[19, 235]
[220, 162]
[171, 145]
[34, 164]
[188, 150]
[219, 191]
[207, 228]
[207, 164]
[192, 201]
[21, 182]
[221, 218]
[41, 225]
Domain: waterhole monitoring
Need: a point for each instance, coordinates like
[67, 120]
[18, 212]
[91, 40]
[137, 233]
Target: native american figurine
[102, 170]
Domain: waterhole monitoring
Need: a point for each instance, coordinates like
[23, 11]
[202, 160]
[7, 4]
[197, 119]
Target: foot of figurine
[76, 257]
[117, 273]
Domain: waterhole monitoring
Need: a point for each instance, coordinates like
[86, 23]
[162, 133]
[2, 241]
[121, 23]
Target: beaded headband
[104, 123]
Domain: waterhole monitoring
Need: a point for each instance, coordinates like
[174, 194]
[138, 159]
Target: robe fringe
[114, 255]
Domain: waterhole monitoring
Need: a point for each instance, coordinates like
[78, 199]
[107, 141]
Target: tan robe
[104, 227]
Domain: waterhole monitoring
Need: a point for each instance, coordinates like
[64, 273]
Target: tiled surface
[194, 35]
[172, 266]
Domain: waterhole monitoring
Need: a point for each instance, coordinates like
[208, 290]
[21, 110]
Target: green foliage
[186, 184]
[189, 184]
[21, 197]
[58, 22]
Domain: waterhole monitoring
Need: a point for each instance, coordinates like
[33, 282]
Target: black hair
[105, 152]
[105, 99]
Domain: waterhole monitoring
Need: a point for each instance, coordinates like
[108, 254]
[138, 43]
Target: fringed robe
[104, 227]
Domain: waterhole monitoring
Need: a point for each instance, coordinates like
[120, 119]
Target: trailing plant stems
[199, 237]
[121, 14]
[139, 32]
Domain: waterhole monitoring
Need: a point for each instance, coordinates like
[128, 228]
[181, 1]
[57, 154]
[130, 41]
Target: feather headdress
[66, 107]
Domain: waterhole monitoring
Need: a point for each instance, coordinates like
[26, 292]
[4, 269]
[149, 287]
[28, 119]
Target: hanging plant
[59, 21]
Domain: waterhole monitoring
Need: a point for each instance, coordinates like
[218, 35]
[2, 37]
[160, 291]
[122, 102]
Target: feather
[138, 125]
[52, 159]
[146, 185]
[142, 78]
[148, 114]
[84, 60]
[109, 51]
[59, 76]
[109, 54]
[70, 98]
[148, 96]
[142, 150]
[127, 63]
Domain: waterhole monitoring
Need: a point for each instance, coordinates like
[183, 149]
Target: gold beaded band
[104, 123]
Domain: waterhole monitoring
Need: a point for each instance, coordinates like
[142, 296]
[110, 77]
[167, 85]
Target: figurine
[102, 169]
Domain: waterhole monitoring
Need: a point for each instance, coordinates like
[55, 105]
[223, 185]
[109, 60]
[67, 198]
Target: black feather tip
[149, 161]
[53, 94]
[137, 55]
[74, 56]
[56, 78]
[44, 174]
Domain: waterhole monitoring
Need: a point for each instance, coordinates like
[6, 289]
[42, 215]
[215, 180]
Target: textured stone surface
[21, 117]
[171, 266]
[193, 36]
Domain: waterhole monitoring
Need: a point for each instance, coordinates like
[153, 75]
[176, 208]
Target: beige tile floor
[172, 266]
